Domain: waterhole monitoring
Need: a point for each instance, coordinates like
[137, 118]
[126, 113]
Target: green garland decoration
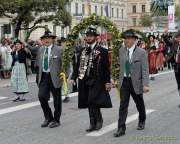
[110, 27]
[97, 21]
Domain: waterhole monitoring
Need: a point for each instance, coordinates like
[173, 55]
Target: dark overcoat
[174, 50]
[91, 89]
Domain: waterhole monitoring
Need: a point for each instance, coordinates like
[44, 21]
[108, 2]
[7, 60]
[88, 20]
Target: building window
[122, 13]
[96, 10]
[83, 9]
[68, 7]
[134, 8]
[7, 29]
[76, 9]
[62, 32]
[54, 29]
[102, 10]
[89, 9]
[117, 12]
[143, 8]
[112, 15]
[134, 21]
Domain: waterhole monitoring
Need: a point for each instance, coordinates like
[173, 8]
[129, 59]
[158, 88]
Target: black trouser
[125, 91]
[177, 74]
[75, 89]
[95, 116]
[45, 87]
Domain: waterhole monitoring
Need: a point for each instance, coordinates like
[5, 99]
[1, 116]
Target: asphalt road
[20, 121]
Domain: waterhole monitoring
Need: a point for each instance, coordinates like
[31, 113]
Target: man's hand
[61, 78]
[146, 89]
[114, 84]
[108, 86]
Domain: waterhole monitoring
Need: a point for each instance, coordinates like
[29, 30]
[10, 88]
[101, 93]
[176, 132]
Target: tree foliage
[177, 12]
[24, 12]
[146, 20]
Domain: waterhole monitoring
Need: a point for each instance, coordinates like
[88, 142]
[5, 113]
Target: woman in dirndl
[160, 56]
[19, 74]
[152, 56]
[6, 59]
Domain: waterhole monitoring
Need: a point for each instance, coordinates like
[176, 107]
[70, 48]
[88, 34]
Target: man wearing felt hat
[48, 67]
[133, 80]
[176, 55]
[92, 71]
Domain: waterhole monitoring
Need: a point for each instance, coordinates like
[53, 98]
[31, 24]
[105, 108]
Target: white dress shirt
[131, 50]
[49, 54]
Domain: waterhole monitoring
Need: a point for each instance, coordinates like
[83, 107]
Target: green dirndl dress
[19, 81]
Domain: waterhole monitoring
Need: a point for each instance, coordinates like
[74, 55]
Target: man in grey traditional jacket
[133, 80]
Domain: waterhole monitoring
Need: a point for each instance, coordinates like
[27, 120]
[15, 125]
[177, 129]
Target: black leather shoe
[54, 124]
[45, 123]
[120, 132]
[66, 100]
[141, 126]
[16, 99]
[98, 125]
[91, 128]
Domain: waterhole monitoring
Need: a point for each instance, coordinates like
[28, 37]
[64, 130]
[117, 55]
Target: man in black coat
[92, 71]
[176, 56]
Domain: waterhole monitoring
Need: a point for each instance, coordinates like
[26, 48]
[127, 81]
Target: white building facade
[135, 9]
[115, 10]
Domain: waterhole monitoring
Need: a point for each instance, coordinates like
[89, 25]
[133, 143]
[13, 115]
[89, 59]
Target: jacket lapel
[41, 56]
[52, 53]
[123, 59]
[134, 54]
[124, 55]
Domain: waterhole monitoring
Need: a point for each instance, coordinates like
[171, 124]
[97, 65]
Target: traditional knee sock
[22, 96]
[17, 96]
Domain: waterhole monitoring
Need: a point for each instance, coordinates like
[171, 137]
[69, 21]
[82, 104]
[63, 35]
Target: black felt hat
[129, 33]
[91, 31]
[48, 34]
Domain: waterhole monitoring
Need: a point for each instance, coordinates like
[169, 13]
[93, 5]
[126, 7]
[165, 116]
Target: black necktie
[88, 50]
[46, 64]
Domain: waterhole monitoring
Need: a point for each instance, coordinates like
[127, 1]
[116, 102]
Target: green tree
[146, 20]
[22, 13]
[177, 12]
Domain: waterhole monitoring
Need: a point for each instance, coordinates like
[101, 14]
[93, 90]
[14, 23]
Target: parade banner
[171, 12]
